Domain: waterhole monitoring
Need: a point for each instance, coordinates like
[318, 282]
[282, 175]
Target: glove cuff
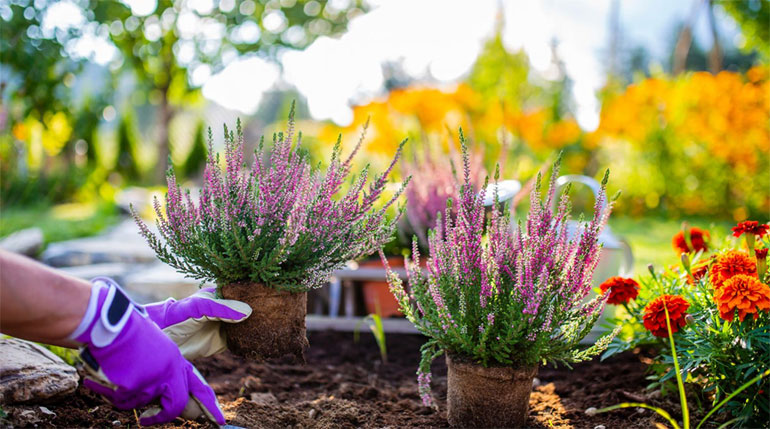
[88, 316]
[108, 311]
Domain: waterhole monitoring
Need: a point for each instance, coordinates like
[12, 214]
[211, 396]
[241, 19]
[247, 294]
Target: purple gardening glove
[193, 323]
[133, 363]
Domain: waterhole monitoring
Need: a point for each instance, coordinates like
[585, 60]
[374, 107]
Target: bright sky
[439, 40]
[442, 38]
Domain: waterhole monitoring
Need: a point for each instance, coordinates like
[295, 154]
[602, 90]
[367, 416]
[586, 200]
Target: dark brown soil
[276, 326]
[344, 385]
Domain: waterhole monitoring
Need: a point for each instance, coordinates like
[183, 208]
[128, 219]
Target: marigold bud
[689, 320]
[761, 261]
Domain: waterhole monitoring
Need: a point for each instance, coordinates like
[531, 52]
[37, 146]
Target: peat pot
[276, 327]
[487, 397]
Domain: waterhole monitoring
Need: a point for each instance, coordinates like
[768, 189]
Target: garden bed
[344, 385]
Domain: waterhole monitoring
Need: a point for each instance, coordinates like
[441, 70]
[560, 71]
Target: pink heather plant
[503, 298]
[282, 223]
[434, 182]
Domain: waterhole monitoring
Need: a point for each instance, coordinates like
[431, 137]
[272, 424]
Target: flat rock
[30, 372]
[144, 283]
[122, 244]
[134, 196]
[114, 270]
[96, 250]
[26, 242]
[158, 282]
[263, 398]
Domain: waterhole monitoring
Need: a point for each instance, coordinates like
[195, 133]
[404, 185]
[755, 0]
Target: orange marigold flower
[743, 293]
[751, 227]
[655, 314]
[729, 264]
[698, 271]
[698, 238]
[621, 289]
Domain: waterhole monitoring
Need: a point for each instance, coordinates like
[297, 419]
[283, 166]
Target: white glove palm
[193, 323]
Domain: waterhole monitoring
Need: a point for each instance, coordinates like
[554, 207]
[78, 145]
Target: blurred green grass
[59, 222]
[650, 237]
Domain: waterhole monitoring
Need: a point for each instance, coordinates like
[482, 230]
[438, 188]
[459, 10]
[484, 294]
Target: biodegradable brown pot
[276, 327]
[487, 397]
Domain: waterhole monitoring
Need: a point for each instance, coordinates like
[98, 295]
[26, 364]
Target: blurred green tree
[38, 71]
[504, 80]
[36, 106]
[167, 45]
[125, 162]
[196, 158]
[753, 16]
[86, 127]
[499, 74]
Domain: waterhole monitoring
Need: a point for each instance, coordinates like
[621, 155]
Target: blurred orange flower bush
[697, 144]
[700, 142]
[432, 115]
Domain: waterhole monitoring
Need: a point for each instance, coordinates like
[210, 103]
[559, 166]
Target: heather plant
[434, 182]
[282, 223]
[500, 297]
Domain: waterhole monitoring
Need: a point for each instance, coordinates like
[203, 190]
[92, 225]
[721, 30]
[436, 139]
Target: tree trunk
[164, 146]
[715, 56]
[685, 40]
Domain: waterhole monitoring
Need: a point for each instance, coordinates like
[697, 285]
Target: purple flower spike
[281, 223]
[500, 295]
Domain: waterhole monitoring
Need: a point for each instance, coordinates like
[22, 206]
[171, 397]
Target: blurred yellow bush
[692, 145]
[700, 141]
[433, 116]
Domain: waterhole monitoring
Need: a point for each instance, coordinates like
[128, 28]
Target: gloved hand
[193, 322]
[132, 363]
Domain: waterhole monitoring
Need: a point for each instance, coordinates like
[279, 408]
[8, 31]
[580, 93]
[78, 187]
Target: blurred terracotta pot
[377, 296]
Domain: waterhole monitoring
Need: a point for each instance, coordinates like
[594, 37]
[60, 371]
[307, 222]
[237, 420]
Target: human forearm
[38, 303]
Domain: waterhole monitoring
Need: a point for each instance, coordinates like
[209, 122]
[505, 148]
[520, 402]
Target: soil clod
[276, 327]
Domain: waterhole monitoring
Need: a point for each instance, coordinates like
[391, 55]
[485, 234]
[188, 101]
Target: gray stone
[263, 398]
[46, 411]
[26, 242]
[122, 244]
[29, 418]
[141, 198]
[115, 270]
[29, 372]
[134, 196]
[96, 250]
[158, 282]
[127, 230]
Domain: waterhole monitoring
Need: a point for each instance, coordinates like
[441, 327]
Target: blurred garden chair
[616, 259]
